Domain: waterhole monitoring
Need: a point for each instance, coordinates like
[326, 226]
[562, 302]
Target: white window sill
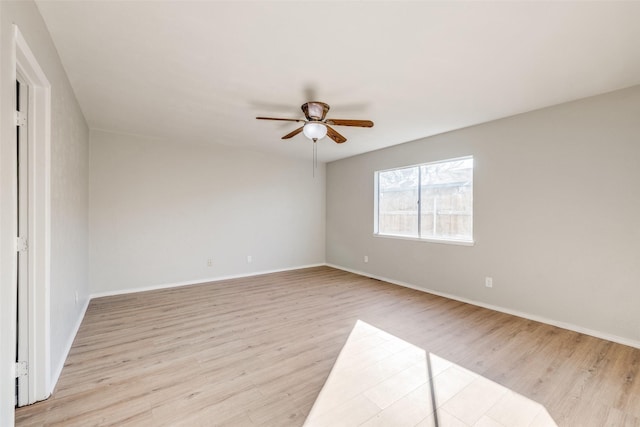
[428, 240]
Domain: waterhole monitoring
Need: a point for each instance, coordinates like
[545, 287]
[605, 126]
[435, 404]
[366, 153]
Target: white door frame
[39, 253]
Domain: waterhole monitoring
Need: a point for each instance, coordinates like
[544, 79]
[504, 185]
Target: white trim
[39, 136]
[557, 323]
[8, 231]
[58, 371]
[198, 281]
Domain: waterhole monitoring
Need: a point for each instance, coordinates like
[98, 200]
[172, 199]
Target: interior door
[22, 282]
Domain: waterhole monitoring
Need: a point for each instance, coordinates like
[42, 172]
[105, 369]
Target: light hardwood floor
[258, 351]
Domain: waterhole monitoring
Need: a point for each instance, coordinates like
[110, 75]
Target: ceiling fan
[316, 125]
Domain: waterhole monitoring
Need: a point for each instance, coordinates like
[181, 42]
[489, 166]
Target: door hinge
[22, 369]
[21, 118]
[21, 244]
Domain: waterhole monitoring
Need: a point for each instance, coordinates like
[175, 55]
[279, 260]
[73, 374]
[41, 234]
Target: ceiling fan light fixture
[315, 131]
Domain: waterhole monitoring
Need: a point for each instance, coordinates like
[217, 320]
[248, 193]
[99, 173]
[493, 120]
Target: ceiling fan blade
[294, 133]
[331, 133]
[346, 122]
[275, 118]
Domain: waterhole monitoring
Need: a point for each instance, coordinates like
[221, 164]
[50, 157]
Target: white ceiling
[200, 72]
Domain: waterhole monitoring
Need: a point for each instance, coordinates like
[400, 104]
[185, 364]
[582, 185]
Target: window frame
[446, 240]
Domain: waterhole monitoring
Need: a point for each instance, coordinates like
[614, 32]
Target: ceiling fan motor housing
[315, 111]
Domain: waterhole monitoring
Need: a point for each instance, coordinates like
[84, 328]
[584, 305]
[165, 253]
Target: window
[432, 201]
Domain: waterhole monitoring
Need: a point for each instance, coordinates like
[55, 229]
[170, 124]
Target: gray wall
[160, 209]
[69, 196]
[556, 216]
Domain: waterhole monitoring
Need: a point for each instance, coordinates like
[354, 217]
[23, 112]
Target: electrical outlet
[209, 262]
[488, 282]
[77, 298]
[366, 258]
[249, 259]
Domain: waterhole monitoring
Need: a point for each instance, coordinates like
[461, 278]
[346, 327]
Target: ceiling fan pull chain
[315, 158]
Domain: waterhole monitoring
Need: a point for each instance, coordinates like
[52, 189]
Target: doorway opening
[32, 233]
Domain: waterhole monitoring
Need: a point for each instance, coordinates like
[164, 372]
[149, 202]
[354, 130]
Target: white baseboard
[559, 324]
[58, 371]
[198, 281]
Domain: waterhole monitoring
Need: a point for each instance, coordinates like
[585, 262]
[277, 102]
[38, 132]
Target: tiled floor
[381, 380]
